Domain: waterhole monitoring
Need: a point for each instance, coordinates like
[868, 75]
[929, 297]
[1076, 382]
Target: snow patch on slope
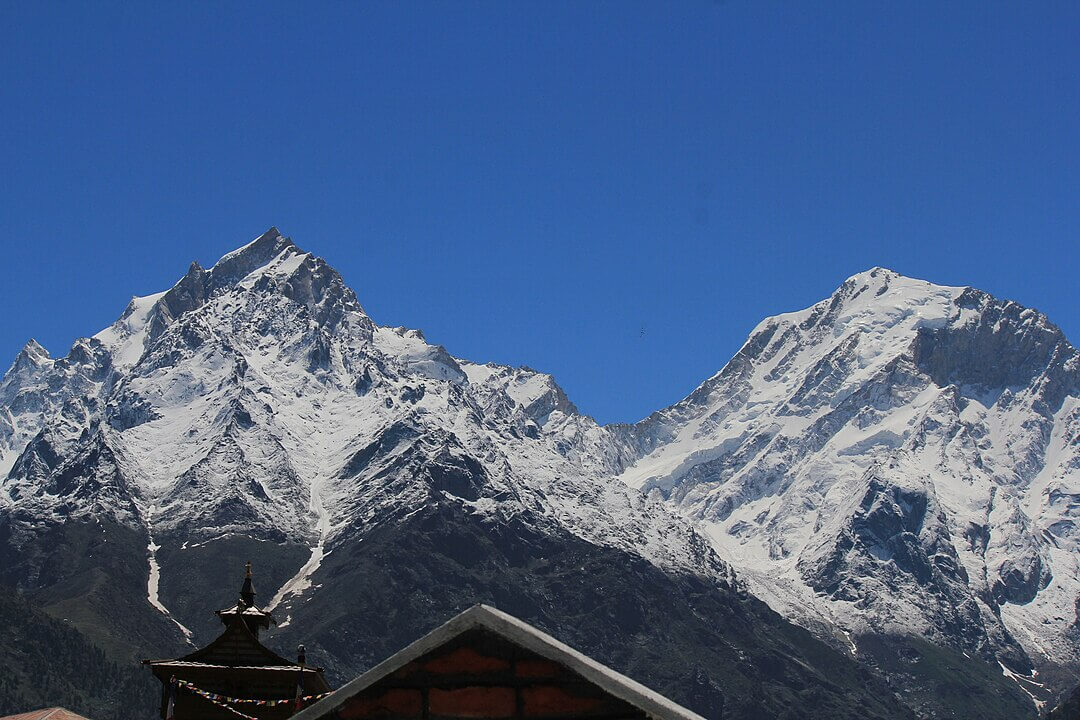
[126, 338]
[154, 578]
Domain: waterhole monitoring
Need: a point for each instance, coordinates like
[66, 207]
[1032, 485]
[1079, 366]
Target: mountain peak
[192, 290]
[881, 280]
[874, 273]
[30, 358]
[34, 350]
[885, 297]
[258, 253]
[877, 298]
[32, 354]
[271, 263]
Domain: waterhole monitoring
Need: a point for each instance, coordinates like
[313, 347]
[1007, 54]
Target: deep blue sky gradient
[615, 192]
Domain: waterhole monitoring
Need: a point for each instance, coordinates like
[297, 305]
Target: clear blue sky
[615, 192]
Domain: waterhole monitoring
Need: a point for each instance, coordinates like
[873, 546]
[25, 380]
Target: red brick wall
[481, 675]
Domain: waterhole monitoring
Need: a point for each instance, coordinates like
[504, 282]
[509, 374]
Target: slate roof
[226, 648]
[524, 635]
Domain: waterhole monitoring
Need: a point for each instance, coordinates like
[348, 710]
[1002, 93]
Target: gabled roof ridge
[529, 637]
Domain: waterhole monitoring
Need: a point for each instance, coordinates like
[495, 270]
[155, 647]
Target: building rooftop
[482, 617]
[50, 713]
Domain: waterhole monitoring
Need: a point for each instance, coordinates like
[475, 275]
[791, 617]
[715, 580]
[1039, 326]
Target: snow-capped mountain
[255, 411]
[890, 468]
[901, 458]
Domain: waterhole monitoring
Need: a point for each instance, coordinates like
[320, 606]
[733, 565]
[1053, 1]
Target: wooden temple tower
[236, 666]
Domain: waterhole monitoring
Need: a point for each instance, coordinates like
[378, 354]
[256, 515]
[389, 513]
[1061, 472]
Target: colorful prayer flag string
[211, 698]
[221, 700]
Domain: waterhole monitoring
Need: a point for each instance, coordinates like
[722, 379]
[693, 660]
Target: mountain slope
[48, 662]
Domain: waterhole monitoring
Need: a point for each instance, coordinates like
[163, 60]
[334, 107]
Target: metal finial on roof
[247, 591]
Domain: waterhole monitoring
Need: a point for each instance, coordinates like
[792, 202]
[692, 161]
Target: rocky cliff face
[867, 474]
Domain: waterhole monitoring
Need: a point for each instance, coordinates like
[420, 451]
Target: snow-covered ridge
[239, 399]
[872, 317]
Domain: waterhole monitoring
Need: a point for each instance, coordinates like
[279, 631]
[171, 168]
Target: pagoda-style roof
[235, 665]
[236, 647]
